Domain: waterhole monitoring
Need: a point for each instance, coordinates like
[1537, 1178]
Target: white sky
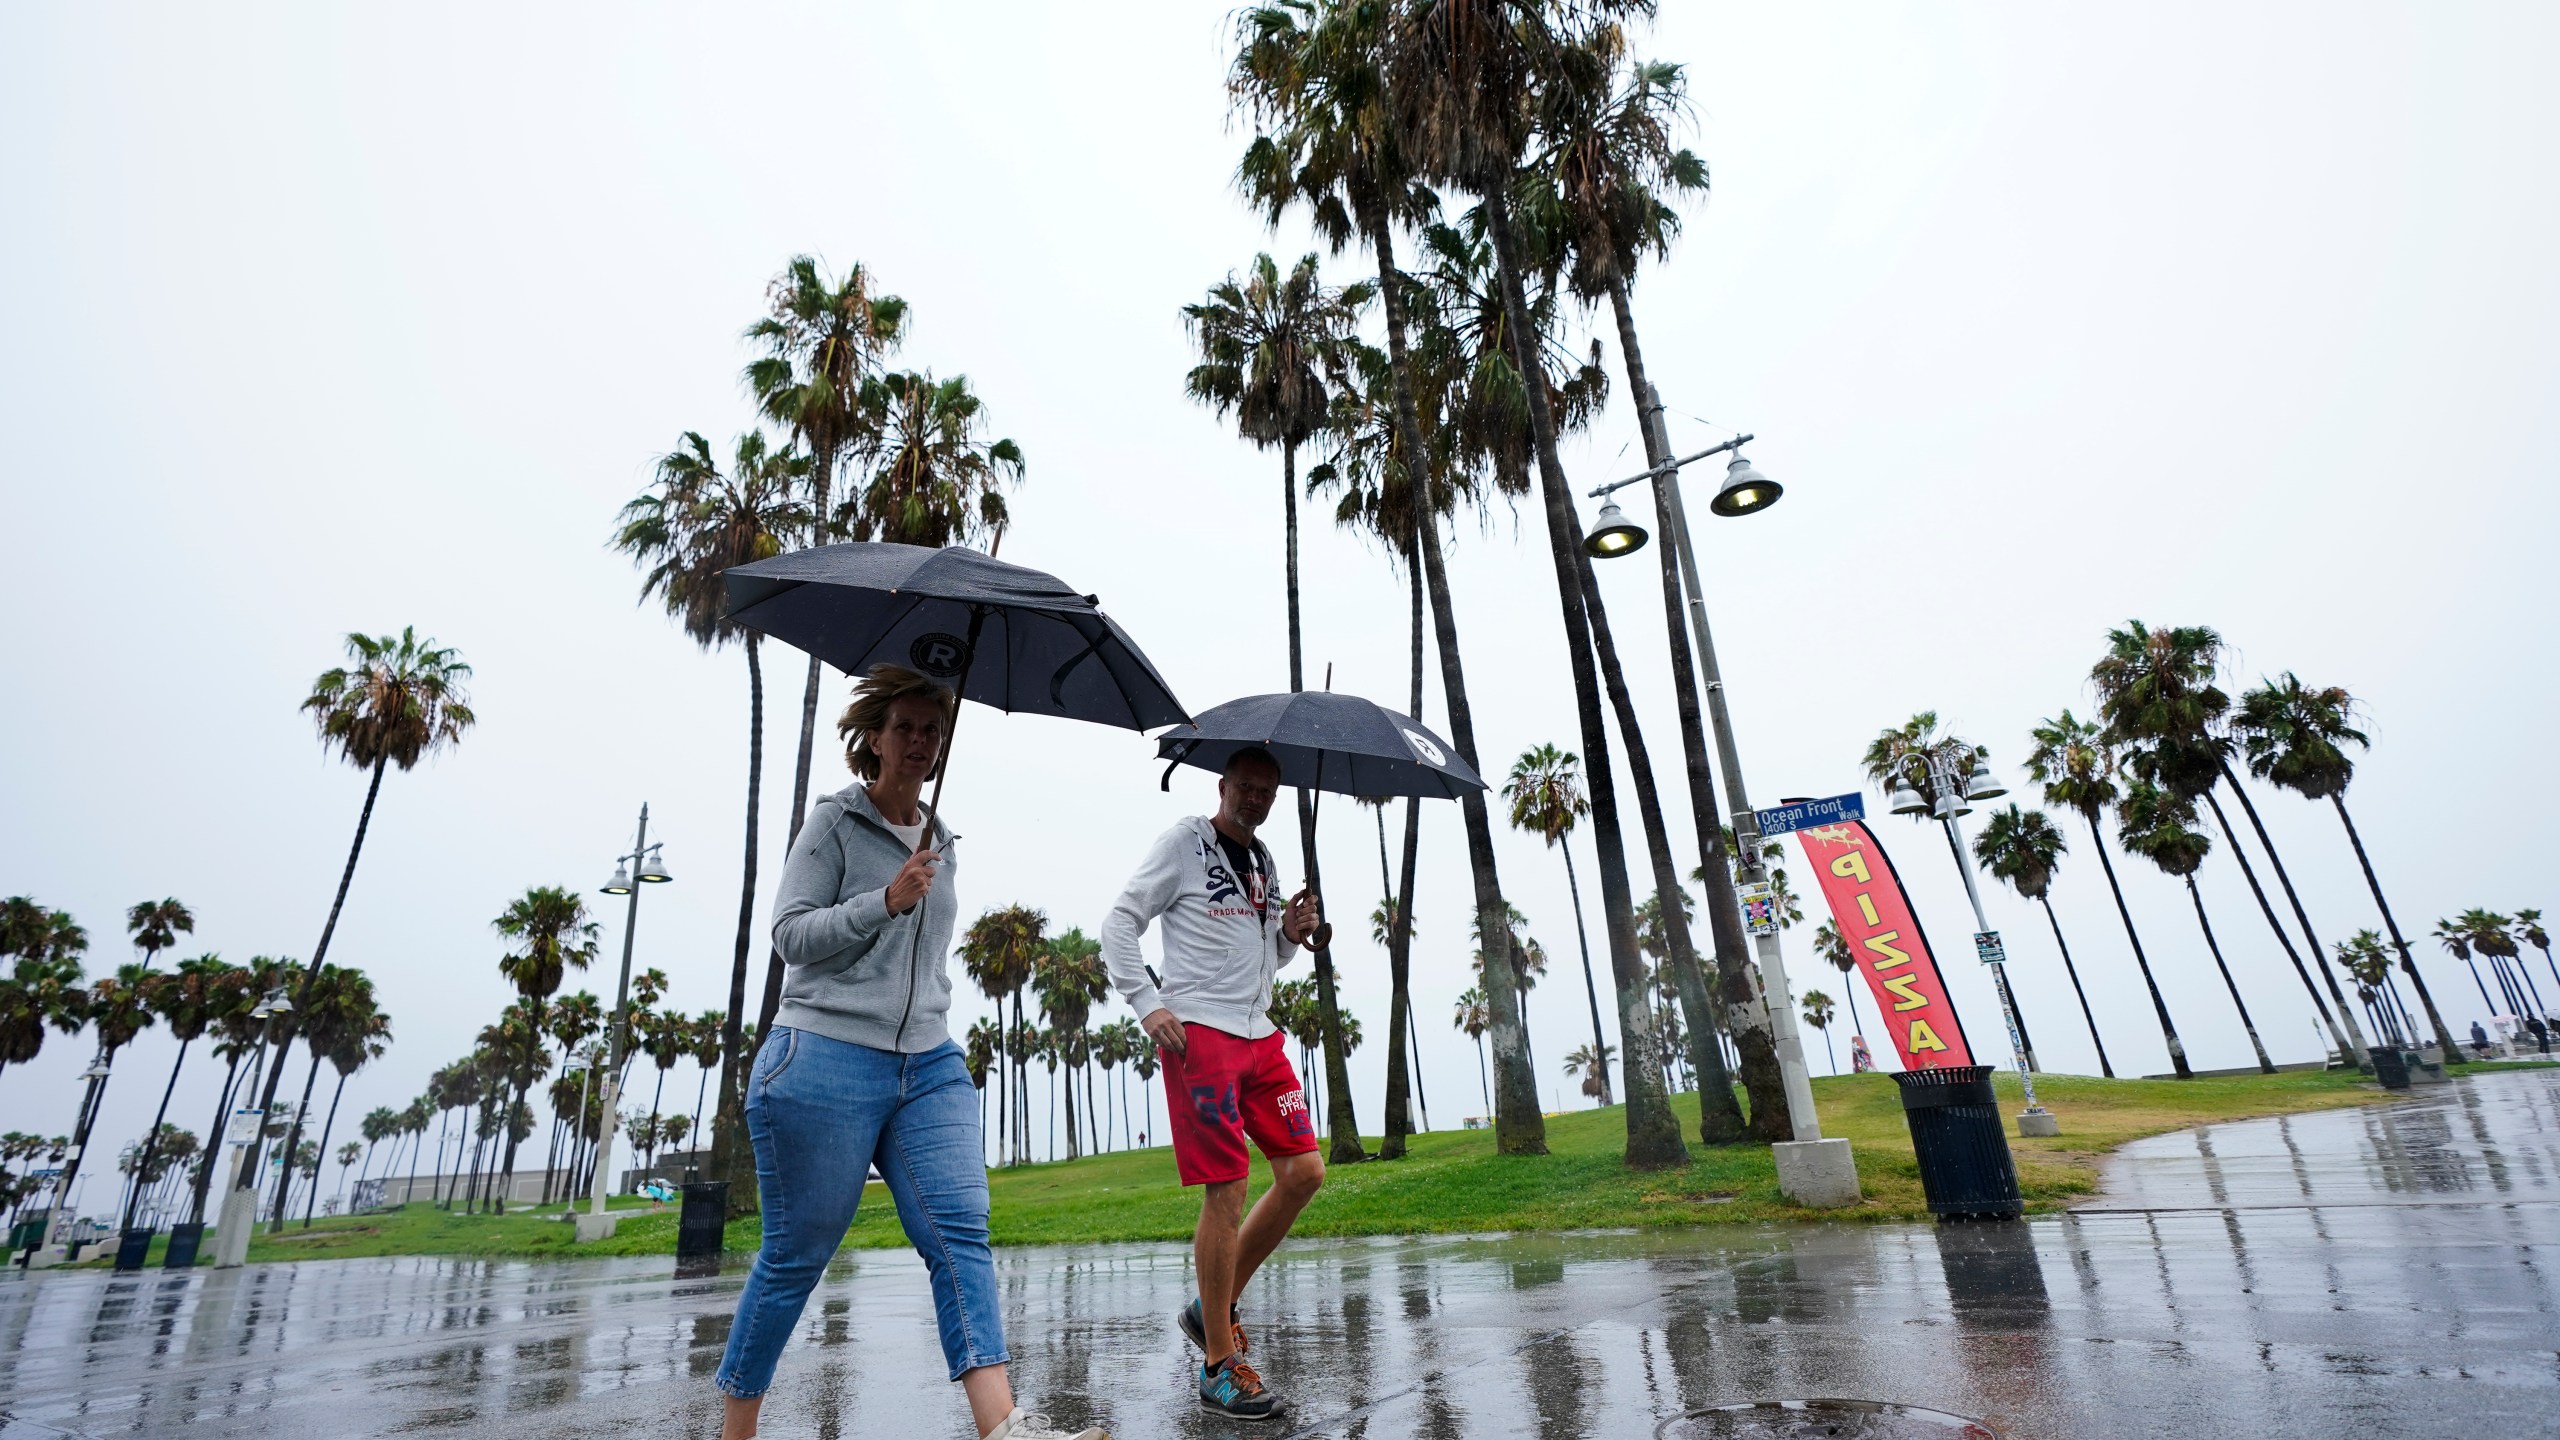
[318, 319]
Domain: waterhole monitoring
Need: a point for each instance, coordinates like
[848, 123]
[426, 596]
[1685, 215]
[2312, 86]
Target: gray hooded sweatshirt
[855, 972]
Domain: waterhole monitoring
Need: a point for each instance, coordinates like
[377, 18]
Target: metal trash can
[2391, 1067]
[1965, 1167]
[704, 1218]
[133, 1248]
[184, 1241]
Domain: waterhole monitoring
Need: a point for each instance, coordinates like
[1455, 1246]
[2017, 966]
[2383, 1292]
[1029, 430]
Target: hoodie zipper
[915, 939]
[1261, 857]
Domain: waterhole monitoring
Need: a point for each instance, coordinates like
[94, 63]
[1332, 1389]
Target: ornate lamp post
[644, 864]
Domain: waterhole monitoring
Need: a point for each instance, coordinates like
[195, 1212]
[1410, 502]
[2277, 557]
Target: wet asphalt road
[2384, 1271]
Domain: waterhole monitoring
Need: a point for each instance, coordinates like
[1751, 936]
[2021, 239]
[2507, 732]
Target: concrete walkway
[2368, 1272]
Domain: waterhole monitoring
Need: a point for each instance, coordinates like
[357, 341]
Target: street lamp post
[239, 1213]
[96, 1076]
[1812, 1170]
[643, 868]
[1951, 790]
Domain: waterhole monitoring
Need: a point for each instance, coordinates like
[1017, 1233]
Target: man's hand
[1303, 913]
[913, 881]
[1163, 1029]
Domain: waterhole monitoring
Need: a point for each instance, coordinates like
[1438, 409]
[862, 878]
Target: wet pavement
[2381, 1271]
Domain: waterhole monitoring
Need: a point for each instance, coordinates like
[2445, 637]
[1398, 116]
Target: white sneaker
[1025, 1425]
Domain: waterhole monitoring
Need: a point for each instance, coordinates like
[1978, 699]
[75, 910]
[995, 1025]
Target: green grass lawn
[1452, 1182]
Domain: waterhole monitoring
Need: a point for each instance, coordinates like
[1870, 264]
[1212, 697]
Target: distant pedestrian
[860, 1068]
[2480, 1039]
[1225, 934]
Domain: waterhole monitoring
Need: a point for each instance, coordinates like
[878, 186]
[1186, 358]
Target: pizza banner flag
[1875, 919]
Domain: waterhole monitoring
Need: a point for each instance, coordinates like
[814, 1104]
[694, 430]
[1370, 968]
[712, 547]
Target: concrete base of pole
[2429, 1069]
[2039, 1124]
[593, 1226]
[231, 1229]
[1818, 1174]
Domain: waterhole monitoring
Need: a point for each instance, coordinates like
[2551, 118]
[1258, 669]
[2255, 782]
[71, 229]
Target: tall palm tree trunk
[1403, 1078]
[1520, 1128]
[2549, 963]
[213, 1141]
[2336, 1035]
[1481, 1082]
[2104, 1068]
[151, 1141]
[310, 972]
[444, 1131]
[2408, 960]
[336, 1092]
[821, 477]
[1653, 1133]
[2265, 1065]
[2159, 1007]
[2319, 957]
[731, 1160]
[1720, 1120]
[1590, 987]
[292, 1138]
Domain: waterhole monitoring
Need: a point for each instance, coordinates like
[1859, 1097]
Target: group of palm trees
[334, 1012]
[1010, 956]
[2168, 745]
[846, 448]
[1504, 166]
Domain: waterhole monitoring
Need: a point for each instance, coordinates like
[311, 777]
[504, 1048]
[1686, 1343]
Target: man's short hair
[1245, 753]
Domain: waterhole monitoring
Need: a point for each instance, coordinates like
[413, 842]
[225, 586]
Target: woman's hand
[913, 881]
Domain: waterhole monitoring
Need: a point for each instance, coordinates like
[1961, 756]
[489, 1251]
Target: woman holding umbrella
[860, 1070]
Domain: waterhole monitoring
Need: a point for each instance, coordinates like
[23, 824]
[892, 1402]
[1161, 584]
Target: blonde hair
[884, 686]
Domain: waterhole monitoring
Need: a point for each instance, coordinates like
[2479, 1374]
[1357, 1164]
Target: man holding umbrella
[1214, 887]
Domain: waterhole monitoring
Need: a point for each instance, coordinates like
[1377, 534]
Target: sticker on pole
[244, 1126]
[1805, 814]
[1759, 908]
[1986, 948]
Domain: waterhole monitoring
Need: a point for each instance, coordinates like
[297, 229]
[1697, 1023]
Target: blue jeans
[823, 1112]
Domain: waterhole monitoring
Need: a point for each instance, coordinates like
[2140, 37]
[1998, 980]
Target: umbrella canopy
[1003, 635]
[1325, 741]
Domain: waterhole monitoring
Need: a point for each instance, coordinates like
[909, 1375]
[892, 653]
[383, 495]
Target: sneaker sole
[1215, 1409]
[1182, 1322]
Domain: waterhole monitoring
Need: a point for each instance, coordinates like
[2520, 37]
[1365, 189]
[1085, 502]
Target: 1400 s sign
[1874, 917]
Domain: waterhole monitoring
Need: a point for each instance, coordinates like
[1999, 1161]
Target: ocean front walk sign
[1797, 815]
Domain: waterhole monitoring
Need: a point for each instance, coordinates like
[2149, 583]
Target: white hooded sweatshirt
[1219, 957]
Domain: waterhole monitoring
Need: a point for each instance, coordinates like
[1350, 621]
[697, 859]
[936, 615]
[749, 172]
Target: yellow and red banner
[1874, 916]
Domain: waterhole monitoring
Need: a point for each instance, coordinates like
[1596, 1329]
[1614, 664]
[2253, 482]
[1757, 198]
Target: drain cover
[1826, 1419]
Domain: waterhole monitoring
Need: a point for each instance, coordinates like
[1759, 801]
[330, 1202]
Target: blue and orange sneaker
[1189, 1320]
[1232, 1389]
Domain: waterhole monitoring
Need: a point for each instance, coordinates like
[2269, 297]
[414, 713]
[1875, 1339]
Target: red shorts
[1223, 1089]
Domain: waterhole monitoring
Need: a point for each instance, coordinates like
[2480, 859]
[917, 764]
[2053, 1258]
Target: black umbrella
[999, 634]
[1324, 741]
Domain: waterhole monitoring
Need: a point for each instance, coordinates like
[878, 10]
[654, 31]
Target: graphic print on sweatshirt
[1223, 886]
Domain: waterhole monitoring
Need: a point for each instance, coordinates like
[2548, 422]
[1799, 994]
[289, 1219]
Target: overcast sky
[322, 319]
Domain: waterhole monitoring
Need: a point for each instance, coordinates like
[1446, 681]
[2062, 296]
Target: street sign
[1986, 947]
[1759, 908]
[1804, 814]
[244, 1126]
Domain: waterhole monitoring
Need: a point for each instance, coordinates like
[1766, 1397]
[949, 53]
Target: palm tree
[2158, 697]
[822, 341]
[379, 1124]
[1828, 944]
[1818, 1010]
[399, 701]
[43, 985]
[691, 526]
[2157, 825]
[2363, 957]
[1069, 979]
[2495, 941]
[708, 1038]
[2072, 762]
[1001, 951]
[155, 925]
[119, 1008]
[1313, 83]
[1145, 1065]
[935, 480]
[1591, 1062]
[363, 1039]
[235, 991]
[1545, 791]
[1272, 352]
[2528, 928]
[2020, 848]
[188, 999]
[1600, 189]
[1474, 1017]
[979, 1050]
[336, 1004]
[1079, 962]
[2295, 737]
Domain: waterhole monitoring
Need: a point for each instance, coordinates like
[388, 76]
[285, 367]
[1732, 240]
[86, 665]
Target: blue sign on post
[1805, 814]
